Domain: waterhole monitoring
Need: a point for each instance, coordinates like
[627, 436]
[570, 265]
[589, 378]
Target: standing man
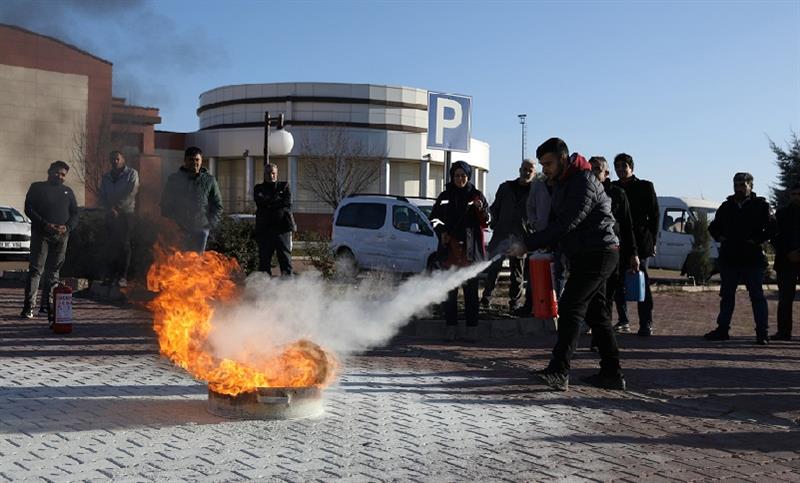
[581, 222]
[742, 224]
[509, 220]
[274, 221]
[623, 228]
[191, 199]
[118, 189]
[787, 260]
[644, 214]
[53, 211]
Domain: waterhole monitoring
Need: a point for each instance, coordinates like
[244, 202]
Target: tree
[788, 162]
[339, 164]
[698, 264]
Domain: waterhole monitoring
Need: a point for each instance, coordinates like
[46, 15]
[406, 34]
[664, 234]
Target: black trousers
[279, 244]
[787, 287]
[584, 298]
[518, 276]
[470, 288]
[645, 308]
[119, 231]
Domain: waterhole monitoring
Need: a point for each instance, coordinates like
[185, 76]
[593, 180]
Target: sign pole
[447, 161]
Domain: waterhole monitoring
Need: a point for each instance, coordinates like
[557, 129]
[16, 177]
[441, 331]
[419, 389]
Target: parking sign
[449, 121]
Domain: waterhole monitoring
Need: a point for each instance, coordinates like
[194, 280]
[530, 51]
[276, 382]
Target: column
[483, 174]
[249, 181]
[386, 173]
[424, 176]
[291, 175]
[212, 166]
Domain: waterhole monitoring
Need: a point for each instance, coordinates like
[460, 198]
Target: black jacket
[644, 214]
[462, 221]
[787, 234]
[48, 203]
[509, 216]
[623, 225]
[273, 208]
[580, 217]
[742, 230]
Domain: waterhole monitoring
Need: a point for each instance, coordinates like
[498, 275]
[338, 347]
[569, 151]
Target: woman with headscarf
[460, 214]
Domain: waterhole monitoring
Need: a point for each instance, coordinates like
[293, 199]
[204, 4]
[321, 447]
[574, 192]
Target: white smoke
[275, 312]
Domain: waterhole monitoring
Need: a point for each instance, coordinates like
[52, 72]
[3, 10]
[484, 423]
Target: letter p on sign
[449, 122]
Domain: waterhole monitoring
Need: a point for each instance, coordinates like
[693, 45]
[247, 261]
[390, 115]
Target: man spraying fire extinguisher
[582, 225]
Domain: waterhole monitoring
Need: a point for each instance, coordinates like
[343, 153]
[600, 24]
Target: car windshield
[10, 214]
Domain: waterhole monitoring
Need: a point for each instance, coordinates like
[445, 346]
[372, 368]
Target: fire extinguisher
[544, 303]
[60, 313]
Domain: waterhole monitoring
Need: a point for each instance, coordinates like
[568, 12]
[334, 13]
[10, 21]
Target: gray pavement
[100, 404]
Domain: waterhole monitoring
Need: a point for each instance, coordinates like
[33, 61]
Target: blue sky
[692, 90]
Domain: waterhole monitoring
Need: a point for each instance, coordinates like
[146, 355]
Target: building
[56, 103]
[388, 123]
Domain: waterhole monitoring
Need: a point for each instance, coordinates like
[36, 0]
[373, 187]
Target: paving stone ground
[101, 404]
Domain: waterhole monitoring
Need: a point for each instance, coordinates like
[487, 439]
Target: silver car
[15, 232]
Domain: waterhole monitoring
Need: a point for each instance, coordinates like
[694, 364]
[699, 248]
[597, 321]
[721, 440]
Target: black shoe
[781, 336]
[485, 301]
[43, 311]
[558, 381]
[645, 331]
[616, 382]
[622, 327]
[27, 313]
[717, 334]
[762, 340]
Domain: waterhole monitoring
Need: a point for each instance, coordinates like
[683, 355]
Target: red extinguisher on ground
[60, 313]
[544, 303]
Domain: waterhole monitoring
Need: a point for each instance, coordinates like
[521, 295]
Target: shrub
[234, 238]
[317, 248]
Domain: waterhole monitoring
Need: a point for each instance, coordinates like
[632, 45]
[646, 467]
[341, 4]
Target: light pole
[524, 132]
[281, 140]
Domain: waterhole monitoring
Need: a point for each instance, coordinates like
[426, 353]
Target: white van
[382, 232]
[674, 238]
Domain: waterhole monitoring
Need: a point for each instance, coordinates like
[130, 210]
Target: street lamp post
[281, 140]
[524, 131]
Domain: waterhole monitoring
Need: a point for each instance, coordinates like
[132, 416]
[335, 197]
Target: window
[362, 215]
[403, 217]
[11, 215]
[675, 221]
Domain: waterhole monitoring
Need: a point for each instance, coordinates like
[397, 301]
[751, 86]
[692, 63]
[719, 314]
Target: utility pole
[524, 134]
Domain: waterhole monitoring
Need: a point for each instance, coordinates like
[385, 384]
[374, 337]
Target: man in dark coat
[459, 216]
[192, 200]
[582, 224]
[787, 260]
[644, 215]
[53, 211]
[509, 220]
[274, 221]
[623, 228]
[742, 224]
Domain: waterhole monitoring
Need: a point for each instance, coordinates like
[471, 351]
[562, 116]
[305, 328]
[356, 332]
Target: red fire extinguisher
[60, 314]
[544, 303]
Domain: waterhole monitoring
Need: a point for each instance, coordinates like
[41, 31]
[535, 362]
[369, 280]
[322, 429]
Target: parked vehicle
[382, 232]
[424, 204]
[675, 235]
[15, 232]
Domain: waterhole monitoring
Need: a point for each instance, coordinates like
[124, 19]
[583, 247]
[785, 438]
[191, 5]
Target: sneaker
[122, 283]
[450, 333]
[781, 336]
[645, 331]
[43, 311]
[27, 313]
[762, 340]
[623, 327]
[616, 382]
[717, 334]
[558, 381]
[588, 331]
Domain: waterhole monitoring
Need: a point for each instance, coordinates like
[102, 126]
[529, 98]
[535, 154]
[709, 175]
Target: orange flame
[188, 284]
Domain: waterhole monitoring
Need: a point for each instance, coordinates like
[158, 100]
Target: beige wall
[40, 112]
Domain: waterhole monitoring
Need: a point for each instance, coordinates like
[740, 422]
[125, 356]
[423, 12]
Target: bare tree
[90, 151]
[340, 164]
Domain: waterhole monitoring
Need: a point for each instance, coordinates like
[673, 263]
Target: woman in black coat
[460, 214]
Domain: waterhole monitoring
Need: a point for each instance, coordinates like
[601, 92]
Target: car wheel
[346, 266]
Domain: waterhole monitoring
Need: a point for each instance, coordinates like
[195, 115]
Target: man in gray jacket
[118, 189]
[192, 200]
[53, 211]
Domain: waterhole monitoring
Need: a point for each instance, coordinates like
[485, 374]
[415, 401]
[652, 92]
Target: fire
[189, 284]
